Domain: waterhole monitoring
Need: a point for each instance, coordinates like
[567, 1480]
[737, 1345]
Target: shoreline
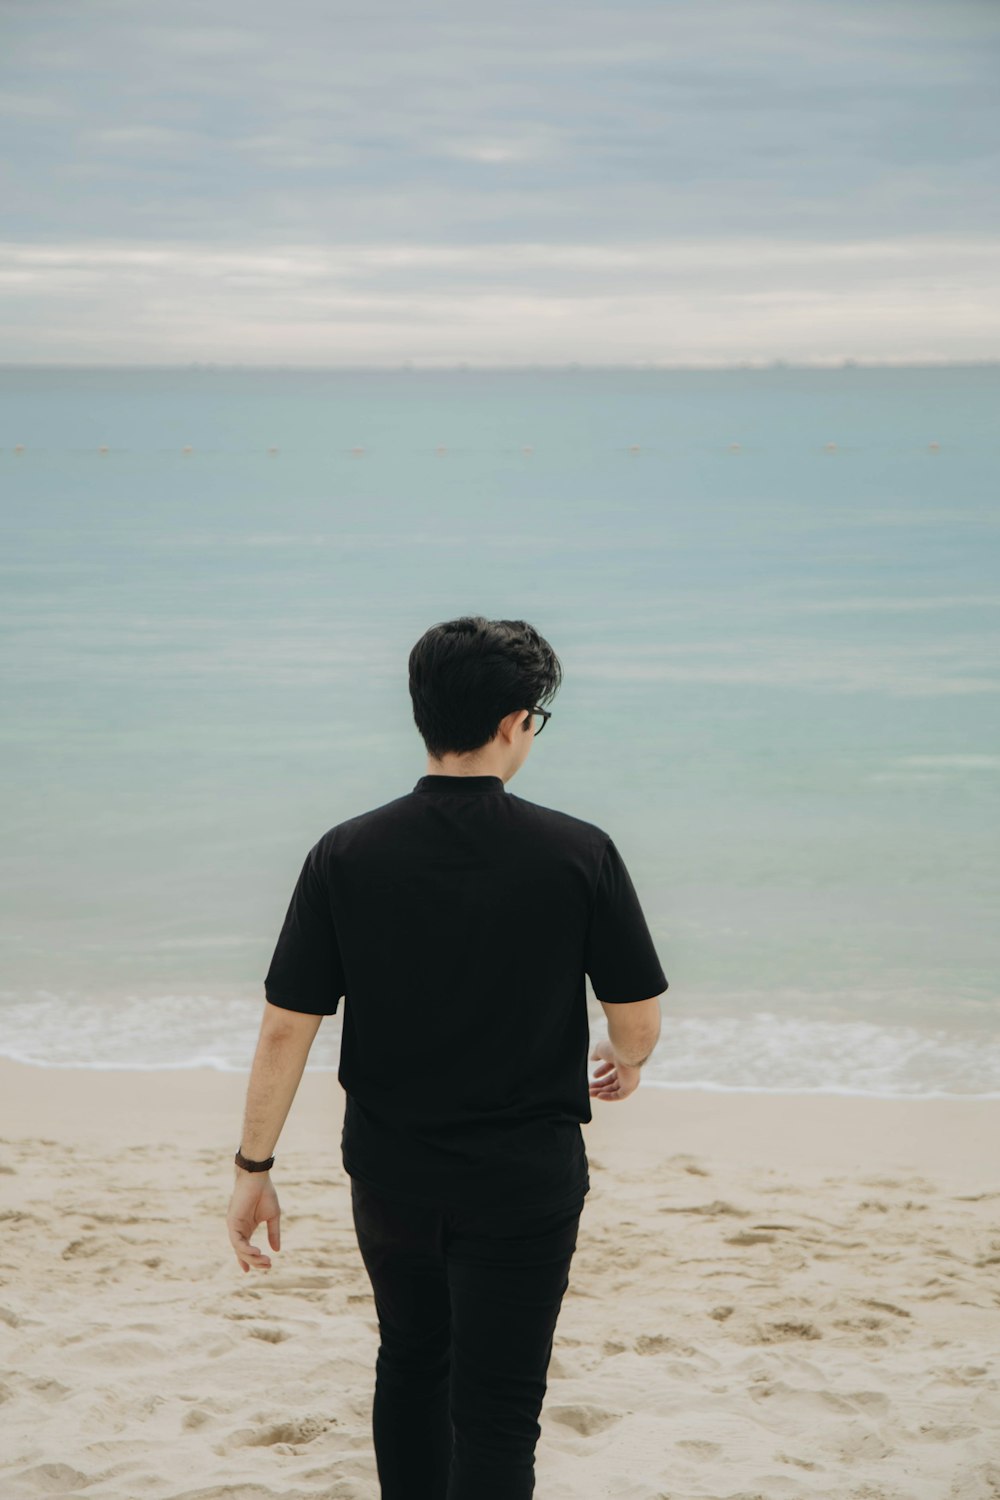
[702, 1087]
[951, 1135]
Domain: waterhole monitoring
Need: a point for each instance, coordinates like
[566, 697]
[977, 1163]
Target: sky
[676, 182]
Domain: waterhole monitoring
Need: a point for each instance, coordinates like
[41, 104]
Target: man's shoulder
[341, 833]
[552, 822]
[562, 824]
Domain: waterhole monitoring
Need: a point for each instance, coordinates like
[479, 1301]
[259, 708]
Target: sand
[772, 1296]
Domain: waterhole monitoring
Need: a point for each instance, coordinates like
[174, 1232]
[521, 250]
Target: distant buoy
[934, 447]
[272, 450]
[103, 448]
[830, 447]
[440, 448]
[634, 448]
[187, 450]
[19, 448]
[529, 450]
[357, 452]
[735, 447]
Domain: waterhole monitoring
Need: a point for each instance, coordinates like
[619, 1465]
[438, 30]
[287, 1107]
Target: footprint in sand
[48, 1388]
[659, 1343]
[899, 1312]
[791, 1458]
[871, 1402]
[788, 1328]
[586, 1420]
[301, 1430]
[54, 1479]
[944, 1432]
[700, 1448]
[77, 1248]
[717, 1206]
[959, 1375]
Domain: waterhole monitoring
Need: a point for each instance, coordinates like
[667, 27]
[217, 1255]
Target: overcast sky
[679, 182]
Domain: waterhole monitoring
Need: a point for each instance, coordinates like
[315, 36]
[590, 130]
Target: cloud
[704, 302]
[661, 179]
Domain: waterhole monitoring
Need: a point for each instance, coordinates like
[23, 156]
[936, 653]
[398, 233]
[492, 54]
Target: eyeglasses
[546, 716]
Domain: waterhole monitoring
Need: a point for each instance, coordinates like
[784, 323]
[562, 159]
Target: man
[458, 921]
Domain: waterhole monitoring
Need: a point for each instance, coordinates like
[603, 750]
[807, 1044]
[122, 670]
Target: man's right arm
[622, 961]
[633, 1030]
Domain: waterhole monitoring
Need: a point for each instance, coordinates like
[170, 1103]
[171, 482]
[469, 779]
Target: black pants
[467, 1303]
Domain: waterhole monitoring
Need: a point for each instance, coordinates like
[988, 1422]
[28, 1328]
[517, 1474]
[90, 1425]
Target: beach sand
[772, 1296]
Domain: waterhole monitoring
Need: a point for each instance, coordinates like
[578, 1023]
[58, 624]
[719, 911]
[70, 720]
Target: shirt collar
[438, 784]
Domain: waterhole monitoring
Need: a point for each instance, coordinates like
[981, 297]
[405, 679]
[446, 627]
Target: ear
[514, 723]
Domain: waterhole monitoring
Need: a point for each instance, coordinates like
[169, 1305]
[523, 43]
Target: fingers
[274, 1232]
[247, 1254]
[600, 1087]
[608, 1088]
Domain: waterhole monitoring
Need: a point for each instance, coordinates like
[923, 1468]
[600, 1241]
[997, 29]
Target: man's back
[459, 921]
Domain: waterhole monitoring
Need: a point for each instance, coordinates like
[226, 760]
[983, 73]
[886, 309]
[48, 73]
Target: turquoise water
[780, 696]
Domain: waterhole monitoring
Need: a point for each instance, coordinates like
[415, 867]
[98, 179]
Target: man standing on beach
[458, 920]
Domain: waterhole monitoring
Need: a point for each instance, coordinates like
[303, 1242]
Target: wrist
[252, 1166]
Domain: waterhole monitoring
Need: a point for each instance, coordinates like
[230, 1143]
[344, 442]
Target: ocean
[774, 594]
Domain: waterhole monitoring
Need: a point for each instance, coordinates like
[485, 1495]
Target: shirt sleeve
[620, 957]
[306, 971]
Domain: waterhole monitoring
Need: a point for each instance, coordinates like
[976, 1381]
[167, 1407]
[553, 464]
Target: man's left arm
[282, 1048]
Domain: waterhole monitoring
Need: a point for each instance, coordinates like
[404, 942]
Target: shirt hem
[432, 1199]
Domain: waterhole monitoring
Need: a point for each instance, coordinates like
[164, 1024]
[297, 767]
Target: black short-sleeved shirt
[458, 921]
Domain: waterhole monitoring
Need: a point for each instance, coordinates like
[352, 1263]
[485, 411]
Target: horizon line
[409, 366]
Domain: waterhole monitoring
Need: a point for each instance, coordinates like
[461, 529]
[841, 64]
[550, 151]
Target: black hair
[468, 674]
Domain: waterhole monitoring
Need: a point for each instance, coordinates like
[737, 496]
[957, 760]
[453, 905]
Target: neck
[461, 765]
